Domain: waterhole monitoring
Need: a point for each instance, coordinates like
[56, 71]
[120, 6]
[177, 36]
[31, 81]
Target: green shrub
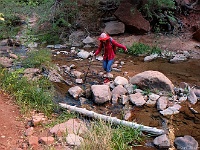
[38, 58]
[37, 95]
[138, 49]
[143, 49]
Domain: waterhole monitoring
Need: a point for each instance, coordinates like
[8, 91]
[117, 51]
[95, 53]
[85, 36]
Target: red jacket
[109, 48]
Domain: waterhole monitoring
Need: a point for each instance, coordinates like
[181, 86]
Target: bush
[37, 95]
[38, 58]
[143, 49]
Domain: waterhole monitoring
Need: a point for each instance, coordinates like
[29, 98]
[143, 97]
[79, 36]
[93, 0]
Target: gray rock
[153, 80]
[162, 141]
[186, 143]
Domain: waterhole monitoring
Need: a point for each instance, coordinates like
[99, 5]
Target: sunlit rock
[101, 93]
[75, 91]
[162, 142]
[120, 80]
[153, 80]
[137, 99]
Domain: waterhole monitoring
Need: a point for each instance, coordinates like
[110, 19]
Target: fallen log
[147, 129]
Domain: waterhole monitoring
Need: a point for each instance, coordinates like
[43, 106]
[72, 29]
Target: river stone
[153, 80]
[162, 103]
[120, 81]
[137, 99]
[101, 93]
[162, 142]
[192, 98]
[83, 54]
[75, 91]
[171, 110]
[186, 143]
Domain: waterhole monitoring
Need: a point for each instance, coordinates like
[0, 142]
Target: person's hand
[126, 50]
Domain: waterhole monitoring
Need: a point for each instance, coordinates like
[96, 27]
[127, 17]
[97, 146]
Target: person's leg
[108, 69]
[105, 62]
[109, 64]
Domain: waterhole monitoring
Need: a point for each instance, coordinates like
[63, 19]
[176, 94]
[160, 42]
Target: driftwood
[114, 120]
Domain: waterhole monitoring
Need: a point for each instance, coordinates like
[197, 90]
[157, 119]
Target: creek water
[184, 123]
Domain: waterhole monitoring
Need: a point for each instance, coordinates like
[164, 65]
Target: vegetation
[105, 136]
[29, 94]
[143, 49]
[37, 59]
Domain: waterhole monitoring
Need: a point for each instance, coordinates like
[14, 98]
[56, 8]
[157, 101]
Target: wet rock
[101, 93]
[77, 74]
[154, 80]
[179, 58]
[192, 98]
[75, 91]
[171, 110]
[120, 81]
[137, 99]
[150, 58]
[162, 142]
[186, 143]
[114, 27]
[83, 54]
[74, 140]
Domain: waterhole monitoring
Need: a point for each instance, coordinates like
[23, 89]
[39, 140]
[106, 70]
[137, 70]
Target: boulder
[114, 27]
[153, 80]
[186, 142]
[101, 93]
[132, 18]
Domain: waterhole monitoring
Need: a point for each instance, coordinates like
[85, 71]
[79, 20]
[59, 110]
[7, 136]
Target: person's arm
[99, 49]
[120, 45]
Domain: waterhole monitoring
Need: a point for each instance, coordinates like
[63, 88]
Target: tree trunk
[114, 120]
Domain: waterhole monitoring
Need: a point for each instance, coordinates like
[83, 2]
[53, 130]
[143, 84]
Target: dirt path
[11, 126]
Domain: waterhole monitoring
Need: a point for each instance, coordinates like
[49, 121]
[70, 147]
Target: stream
[184, 123]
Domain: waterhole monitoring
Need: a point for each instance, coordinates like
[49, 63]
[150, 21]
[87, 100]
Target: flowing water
[184, 123]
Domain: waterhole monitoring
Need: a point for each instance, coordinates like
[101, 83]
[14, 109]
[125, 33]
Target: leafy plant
[143, 49]
[28, 94]
[37, 58]
[138, 49]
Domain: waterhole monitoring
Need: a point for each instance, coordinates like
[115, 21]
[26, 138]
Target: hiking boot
[106, 80]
